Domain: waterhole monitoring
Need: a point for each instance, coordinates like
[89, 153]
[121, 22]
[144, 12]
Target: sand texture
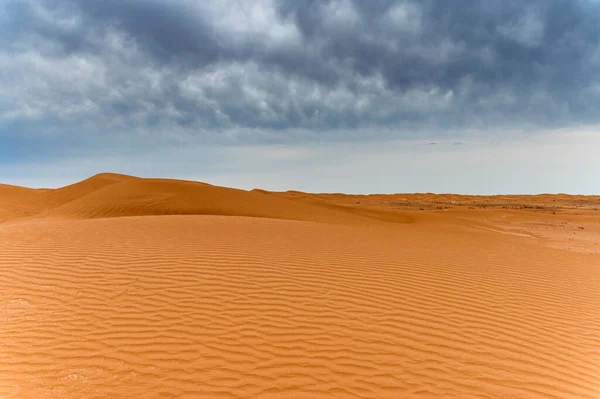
[121, 287]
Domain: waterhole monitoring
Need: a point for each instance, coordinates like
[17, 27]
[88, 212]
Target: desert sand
[121, 287]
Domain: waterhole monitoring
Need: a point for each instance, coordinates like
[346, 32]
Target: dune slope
[111, 195]
[168, 197]
[187, 297]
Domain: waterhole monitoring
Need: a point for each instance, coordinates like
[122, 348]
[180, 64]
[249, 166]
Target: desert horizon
[118, 286]
[299, 199]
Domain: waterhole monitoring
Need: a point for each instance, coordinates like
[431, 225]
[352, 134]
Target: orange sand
[123, 287]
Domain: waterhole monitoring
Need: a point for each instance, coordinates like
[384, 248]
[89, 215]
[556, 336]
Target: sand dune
[111, 195]
[125, 287]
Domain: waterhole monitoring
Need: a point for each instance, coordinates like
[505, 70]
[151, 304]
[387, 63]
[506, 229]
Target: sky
[387, 96]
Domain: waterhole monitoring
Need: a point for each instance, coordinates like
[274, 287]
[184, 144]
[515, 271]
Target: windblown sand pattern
[202, 291]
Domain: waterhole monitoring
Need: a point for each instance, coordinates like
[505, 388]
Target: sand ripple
[239, 307]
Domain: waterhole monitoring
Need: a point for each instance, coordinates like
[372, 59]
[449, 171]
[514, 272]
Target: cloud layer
[288, 91]
[294, 70]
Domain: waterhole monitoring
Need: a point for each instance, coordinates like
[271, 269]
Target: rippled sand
[123, 287]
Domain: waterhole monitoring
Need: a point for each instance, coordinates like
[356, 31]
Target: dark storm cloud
[165, 30]
[323, 67]
[521, 45]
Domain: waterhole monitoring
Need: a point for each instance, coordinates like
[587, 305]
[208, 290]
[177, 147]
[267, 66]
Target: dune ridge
[123, 287]
[112, 195]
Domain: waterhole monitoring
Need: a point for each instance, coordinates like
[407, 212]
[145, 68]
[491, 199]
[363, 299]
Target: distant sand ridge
[124, 287]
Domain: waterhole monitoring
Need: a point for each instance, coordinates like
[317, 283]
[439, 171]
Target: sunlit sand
[125, 287]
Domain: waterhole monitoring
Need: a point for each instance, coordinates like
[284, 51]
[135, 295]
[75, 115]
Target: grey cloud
[168, 30]
[216, 68]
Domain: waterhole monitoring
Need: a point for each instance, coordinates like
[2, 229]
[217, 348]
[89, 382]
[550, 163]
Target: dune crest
[113, 195]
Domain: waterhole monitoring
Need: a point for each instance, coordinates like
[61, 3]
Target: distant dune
[112, 195]
[122, 287]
